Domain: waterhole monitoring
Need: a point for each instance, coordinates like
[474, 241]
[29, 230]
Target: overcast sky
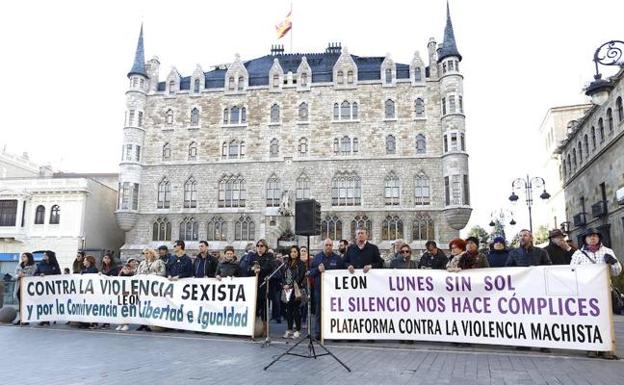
[65, 63]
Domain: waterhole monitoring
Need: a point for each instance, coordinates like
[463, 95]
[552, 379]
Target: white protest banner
[199, 304]
[565, 307]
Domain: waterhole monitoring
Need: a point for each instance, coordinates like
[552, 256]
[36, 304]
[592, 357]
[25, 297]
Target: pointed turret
[449, 46]
[138, 67]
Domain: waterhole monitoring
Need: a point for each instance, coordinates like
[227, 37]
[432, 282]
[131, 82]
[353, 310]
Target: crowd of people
[288, 288]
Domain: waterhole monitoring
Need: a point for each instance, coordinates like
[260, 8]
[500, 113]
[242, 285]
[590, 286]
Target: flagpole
[291, 28]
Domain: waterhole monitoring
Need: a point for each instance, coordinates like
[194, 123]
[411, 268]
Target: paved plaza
[63, 355]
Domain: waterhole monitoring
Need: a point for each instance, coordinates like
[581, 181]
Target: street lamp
[501, 214]
[608, 54]
[528, 184]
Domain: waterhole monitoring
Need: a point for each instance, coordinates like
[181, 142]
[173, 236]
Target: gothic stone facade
[592, 170]
[216, 155]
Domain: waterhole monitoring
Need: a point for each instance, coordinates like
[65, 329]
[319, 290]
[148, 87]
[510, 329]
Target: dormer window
[350, 77]
[418, 74]
[171, 87]
[340, 77]
[304, 80]
[231, 83]
[276, 81]
[196, 85]
[241, 83]
[388, 76]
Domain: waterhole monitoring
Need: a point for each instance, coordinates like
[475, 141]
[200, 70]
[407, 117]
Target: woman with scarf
[465, 255]
[293, 278]
[25, 268]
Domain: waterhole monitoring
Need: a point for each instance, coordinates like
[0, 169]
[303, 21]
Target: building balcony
[126, 219]
[457, 217]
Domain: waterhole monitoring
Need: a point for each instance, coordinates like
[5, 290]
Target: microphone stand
[309, 339]
[267, 340]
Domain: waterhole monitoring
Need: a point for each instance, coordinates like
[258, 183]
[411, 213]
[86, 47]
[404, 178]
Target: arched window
[275, 113]
[388, 75]
[276, 81]
[235, 115]
[346, 189]
[336, 111]
[244, 229]
[232, 191]
[217, 229]
[421, 144]
[586, 145]
[303, 112]
[569, 164]
[231, 83]
[233, 150]
[593, 138]
[601, 130]
[192, 151]
[166, 151]
[190, 193]
[390, 112]
[417, 74]
[565, 170]
[345, 145]
[161, 230]
[580, 152]
[241, 83]
[273, 191]
[356, 145]
[392, 188]
[390, 144]
[172, 86]
[354, 111]
[304, 79]
[340, 77]
[361, 222]
[55, 215]
[195, 116]
[189, 230]
[336, 146]
[574, 158]
[274, 148]
[196, 85]
[303, 187]
[226, 116]
[243, 115]
[419, 108]
[610, 120]
[40, 215]
[422, 191]
[169, 117]
[423, 229]
[164, 194]
[331, 227]
[345, 110]
[302, 147]
[350, 77]
[619, 108]
[391, 228]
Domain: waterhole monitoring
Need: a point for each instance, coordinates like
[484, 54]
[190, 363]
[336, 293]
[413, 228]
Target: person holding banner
[109, 268]
[228, 267]
[152, 264]
[180, 266]
[404, 261]
[433, 258]
[362, 254]
[291, 294]
[88, 265]
[325, 260]
[594, 252]
[48, 265]
[205, 265]
[498, 254]
[25, 268]
[77, 266]
[527, 254]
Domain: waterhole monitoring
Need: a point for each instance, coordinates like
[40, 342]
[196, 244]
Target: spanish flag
[283, 27]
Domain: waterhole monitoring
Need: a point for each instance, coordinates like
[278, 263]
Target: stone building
[223, 154]
[553, 130]
[592, 170]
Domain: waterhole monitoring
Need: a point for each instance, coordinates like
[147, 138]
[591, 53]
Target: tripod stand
[267, 340]
[311, 351]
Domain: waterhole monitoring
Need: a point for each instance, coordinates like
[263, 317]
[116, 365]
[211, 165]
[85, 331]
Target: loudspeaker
[307, 217]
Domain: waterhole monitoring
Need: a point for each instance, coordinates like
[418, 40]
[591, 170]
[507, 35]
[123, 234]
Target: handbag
[617, 302]
[297, 291]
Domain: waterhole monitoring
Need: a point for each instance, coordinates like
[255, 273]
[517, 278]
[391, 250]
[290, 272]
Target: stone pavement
[64, 355]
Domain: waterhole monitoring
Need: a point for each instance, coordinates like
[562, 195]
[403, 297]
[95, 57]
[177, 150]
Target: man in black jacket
[559, 251]
[180, 265]
[205, 265]
[262, 263]
[433, 258]
[362, 254]
[527, 254]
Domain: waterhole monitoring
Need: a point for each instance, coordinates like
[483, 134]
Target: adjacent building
[59, 212]
[553, 130]
[223, 154]
[592, 170]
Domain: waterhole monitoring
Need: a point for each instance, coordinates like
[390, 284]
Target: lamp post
[608, 54]
[528, 184]
[501, 214]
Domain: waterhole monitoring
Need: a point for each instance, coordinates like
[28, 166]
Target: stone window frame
[303, 146]
[274, 147]
[163, 196]
[244, 229]
[190, 193]
[346, 189]
[423, 228]
[354, 109]
[302, 187]
[346, 145]
[273, 191]
[421, 143]
[161, 229]
[390, 106]
[40, 215]
[188, 229]
[228, 115]
[361, 221]
[195, 120]
[169, 117]
[275, 106]
[216, 229]
[307, 112]
[331, 227]
[392, 228]
[391, 144]
[392, 189]
[55, 215]
[227, 146]
[192, 150]
[422, 189]
[423, 115]
[231, 191]
[166, 151]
